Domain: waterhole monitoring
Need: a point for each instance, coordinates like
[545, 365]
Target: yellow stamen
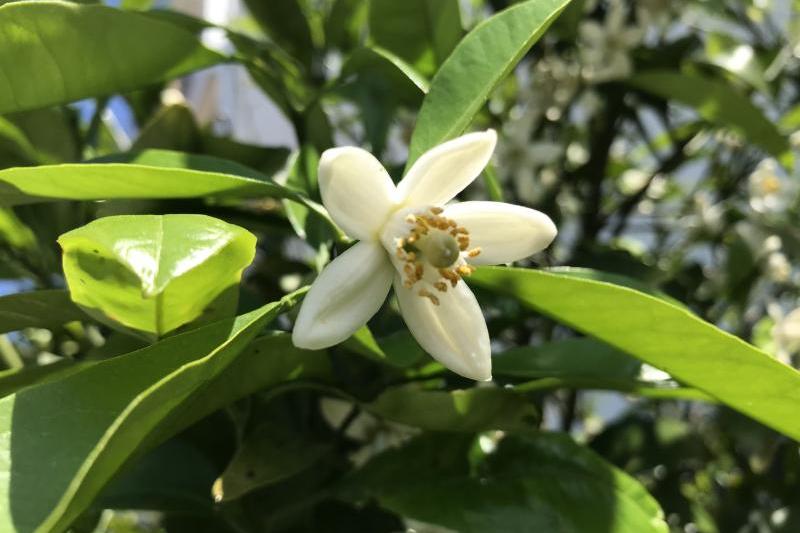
[425, 293]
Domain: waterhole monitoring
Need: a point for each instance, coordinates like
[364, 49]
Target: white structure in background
[224, 96]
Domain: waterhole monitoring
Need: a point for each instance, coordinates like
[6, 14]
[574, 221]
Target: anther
[441, 286]
[475, 252]
[465, 270]
[436, 210]
[425, 293]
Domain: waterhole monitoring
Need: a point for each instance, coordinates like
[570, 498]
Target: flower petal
[453, 332]
[504, 232]
[345, 295]
[444, 171]
[356, 190]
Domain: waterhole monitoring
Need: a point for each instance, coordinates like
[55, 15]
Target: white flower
[770, 190]
[778, 267]
[605, 48]
[785, 333]
[410, 239]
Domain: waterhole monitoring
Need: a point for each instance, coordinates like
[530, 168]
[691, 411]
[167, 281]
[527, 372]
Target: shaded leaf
[717, 102]
[461, 410]
[37, 309]
[420, 32]
[532, 482]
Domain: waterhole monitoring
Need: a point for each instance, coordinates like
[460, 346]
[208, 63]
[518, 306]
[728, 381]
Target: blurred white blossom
[605, 48]
[785, 332]
[770, 189]
[778, 268]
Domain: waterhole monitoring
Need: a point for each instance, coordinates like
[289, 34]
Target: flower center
[770, 185]
[433, 249]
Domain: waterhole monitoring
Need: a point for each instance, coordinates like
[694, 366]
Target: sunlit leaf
[477, 65]
[664, 335]
[56, 52]
[155, 273]
[96, 419]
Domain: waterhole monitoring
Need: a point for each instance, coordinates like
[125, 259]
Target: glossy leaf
[154, 273]
[57, 52]
[531, 482]
[94, 420]
[37, 309]
[461, 410]
[717, 102]
[421, 32]
[664, 335]
[162, 175]
[273, 158]
[477, 65]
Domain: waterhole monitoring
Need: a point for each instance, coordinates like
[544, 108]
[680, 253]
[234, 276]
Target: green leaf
[737, 58]
[275, 157]
[154, 273]
[268, 455]
[477, 65]
[664, 335]
[421, 32]
[53, 131]
[344, 23]
[285, 23]
[396, 73]
[57, 52]
[38, 309]
[15, 148]
[531, 482]
[461, 410]
[399, 349]
[94, 420]
[173, 127]
[717, 102]
[583, 357]
[14, 232]
[156, 175]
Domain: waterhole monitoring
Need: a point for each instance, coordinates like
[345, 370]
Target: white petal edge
[344, 297]
[504, 232]
[445, 170]
[356, 190]
[453, 332]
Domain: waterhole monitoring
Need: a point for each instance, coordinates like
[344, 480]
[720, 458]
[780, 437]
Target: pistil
[438, 242]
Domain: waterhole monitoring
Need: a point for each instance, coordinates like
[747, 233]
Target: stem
[570, 410]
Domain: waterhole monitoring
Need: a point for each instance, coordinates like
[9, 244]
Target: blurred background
[660, 135]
